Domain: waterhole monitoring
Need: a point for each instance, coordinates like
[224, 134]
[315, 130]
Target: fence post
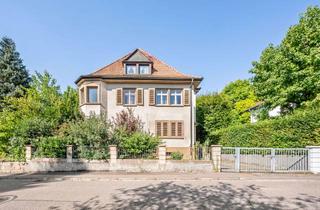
[237, 159]
[216, 157]
[273, 160]
[314, 159]
[113, 153]
[28, 152]
[162, 154]
[69, 153]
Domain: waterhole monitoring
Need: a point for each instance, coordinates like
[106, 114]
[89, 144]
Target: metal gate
[243, 159]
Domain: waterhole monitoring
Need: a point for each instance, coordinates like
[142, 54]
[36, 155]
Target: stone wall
[125, 165]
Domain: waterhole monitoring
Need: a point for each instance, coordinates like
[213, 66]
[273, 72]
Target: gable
[137, 57]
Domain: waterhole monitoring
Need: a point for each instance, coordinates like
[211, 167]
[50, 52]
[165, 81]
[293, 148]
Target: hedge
[299, 129]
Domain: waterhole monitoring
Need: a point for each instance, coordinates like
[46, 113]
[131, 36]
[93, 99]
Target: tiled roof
[160, 69]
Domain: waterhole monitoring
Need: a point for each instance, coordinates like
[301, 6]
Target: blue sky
[215, 39]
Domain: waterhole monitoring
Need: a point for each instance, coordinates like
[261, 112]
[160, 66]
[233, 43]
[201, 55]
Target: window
[129, 96]
[169, 129]
[162, 96]
[82, 96]
[92, 94]
[144, 69]
[175, 96]
[131, 69]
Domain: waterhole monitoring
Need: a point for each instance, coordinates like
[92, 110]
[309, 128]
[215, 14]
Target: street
[159, 191]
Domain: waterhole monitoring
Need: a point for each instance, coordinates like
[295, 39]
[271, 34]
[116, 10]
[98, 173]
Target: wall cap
[311, 147]
[215, 145]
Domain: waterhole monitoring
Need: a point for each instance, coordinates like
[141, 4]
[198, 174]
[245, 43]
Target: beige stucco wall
[148, 114]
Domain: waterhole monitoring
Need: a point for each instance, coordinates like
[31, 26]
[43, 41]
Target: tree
[36, 114]
[242, 96]
[13, 73]
[289, 74]
[214, 111]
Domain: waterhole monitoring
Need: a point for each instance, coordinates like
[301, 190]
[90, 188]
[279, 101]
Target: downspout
[191, 114]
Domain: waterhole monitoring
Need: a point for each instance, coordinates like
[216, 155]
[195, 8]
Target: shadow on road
[13, 182]
[168, 195]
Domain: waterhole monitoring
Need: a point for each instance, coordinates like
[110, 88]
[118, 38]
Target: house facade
[163, 98]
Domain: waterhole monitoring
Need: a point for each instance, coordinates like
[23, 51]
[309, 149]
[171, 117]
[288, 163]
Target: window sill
[171, 137]
[168, 105]
[91, 104]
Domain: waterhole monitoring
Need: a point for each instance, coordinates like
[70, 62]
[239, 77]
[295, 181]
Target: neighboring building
[255, 111]
[163, 98]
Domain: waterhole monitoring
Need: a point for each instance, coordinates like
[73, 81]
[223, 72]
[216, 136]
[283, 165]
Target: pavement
[106, 190]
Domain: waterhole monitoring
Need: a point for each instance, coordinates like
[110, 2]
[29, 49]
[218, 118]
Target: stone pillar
[69, 153]
[162, 154]
[314, 159]
[216, 157]
[28, 152]
[113, 153]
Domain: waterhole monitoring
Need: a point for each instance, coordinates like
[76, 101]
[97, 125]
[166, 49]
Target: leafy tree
[38, 113]
[13, 73]
[241, 94]
[214, 111]
[289, 74]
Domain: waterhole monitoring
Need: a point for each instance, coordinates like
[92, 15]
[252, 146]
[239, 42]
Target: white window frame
[131, 65]
[88, 94]
[173, 92]
[129, 92]
[163, 92]
[144, 65]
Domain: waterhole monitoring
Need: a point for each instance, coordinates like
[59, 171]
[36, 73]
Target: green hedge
[297, 130]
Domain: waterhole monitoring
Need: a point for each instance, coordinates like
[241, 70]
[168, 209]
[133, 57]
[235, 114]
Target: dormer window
[131, 69]
[138, 68]
[144, 69]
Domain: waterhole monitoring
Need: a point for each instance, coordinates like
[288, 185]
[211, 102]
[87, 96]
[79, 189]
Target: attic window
[144, 69]
[131, 69]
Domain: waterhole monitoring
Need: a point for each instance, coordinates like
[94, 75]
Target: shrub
[300, 129]
[139, 144]
[127, 121]
[90, 136]
[176, 156]
[50, 147]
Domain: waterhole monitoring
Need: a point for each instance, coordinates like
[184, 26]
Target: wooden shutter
[152, 97]
[180, 129]
[164, 128]
[140, 96]
[158, 128]
[119, 96]
[173, 128]
[186, 97]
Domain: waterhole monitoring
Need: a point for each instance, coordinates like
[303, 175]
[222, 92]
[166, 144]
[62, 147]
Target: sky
[214, 39]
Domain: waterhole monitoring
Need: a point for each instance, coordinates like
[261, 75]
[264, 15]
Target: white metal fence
[240, 159]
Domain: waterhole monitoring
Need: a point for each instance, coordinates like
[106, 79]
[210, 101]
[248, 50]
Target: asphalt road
[159, 191]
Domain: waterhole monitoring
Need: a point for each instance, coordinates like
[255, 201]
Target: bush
[176, 156]
[139, 144]
[300, 129]
[50, 147]
[90, 136]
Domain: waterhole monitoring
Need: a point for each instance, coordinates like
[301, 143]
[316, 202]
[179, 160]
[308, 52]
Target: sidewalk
[122, 176]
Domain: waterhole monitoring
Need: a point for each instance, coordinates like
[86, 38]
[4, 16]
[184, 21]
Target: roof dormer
[137, 64]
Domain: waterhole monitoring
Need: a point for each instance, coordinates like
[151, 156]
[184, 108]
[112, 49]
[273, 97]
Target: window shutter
[158, 128]
[180, 129]
[140, 96]
[173, 129]
[164, 128]
[186, 97]
[151, 96]
[119, 96]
